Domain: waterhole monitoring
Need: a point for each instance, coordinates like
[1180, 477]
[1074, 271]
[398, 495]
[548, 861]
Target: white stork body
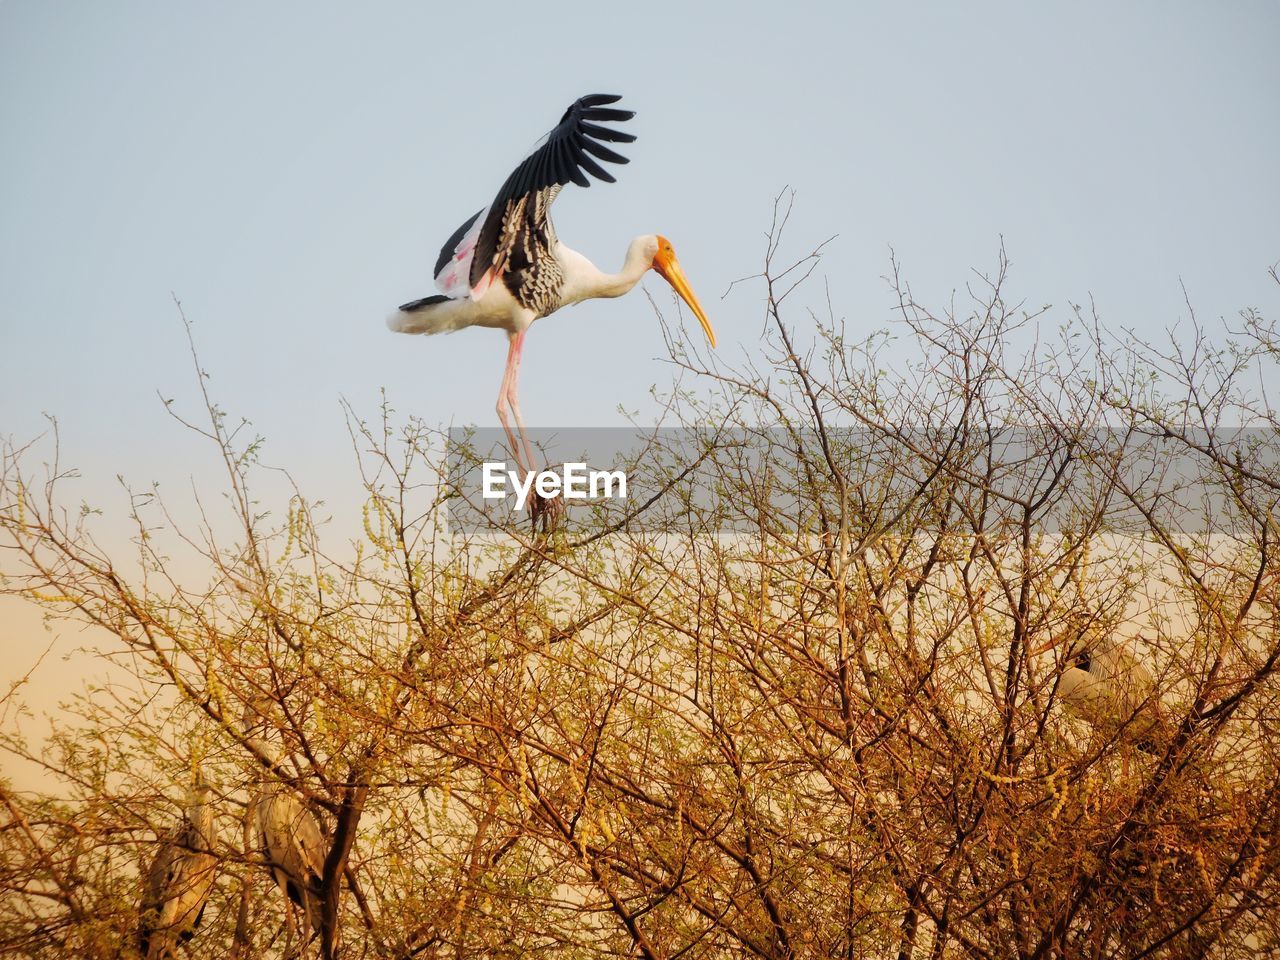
[294, 848]
[505, 267]
[1107, 686]
[498, 309]
[179, 881]
[288, 835]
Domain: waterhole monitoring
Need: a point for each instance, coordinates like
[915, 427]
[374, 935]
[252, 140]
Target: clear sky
[290, 170]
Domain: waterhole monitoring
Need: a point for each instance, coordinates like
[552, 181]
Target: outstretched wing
[480, 248]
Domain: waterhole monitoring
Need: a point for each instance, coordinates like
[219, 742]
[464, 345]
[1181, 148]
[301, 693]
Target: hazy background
[290, 171]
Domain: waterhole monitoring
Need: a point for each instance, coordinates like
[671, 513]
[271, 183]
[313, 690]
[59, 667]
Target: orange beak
[669, 267]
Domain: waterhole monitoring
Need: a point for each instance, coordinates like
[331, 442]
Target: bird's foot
[546, 512]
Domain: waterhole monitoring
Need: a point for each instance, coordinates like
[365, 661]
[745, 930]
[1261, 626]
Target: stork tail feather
[434, 314]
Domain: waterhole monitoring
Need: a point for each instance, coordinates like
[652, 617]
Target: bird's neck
[585, 281]
[264, 750]
[201, 814]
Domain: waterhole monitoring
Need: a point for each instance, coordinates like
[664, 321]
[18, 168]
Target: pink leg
[514, 399]
[507, 397]
[502, 401]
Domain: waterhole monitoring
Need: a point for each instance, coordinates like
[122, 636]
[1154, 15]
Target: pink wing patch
[479, 289]
[454, 279]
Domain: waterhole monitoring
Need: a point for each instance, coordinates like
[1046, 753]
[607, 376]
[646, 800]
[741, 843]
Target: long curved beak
[669, 267]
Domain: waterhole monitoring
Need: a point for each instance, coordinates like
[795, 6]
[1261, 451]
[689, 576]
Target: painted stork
[1106, 685]
[294, 848]
[505, 267]
[289, 836]
[179, 881]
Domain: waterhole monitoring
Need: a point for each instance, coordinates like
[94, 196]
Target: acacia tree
[808, 701]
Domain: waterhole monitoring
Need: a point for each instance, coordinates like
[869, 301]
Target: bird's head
[668, 267]
[254, 720]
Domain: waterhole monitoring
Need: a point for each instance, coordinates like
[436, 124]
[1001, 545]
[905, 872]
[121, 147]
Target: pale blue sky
[290, 170]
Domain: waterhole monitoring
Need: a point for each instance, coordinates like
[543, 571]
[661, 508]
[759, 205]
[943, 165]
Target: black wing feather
[572, 169]
[603, 152]
[594, 100]
[608, 113]
[563, 158]
[425, 302]
[595, 170]
[597, 132]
